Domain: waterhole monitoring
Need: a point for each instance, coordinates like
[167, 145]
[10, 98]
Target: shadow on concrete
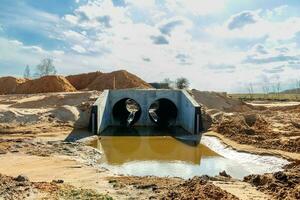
[176, 132]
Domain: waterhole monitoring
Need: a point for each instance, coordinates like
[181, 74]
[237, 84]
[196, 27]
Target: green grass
[272, 97]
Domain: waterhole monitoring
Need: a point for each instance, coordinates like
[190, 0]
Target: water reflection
[143, 152]
[118, 150]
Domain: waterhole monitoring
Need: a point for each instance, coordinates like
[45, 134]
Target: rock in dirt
[250, 119]
[21, 178]
[224, 173]
[59, 181]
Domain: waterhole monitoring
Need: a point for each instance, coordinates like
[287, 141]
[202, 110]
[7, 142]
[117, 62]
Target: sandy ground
[38, 135]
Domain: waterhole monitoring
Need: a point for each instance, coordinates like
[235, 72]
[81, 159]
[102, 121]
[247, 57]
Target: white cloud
[203, 7]
[242, 19]
[78, 49]
[142, 4]
[100, 36]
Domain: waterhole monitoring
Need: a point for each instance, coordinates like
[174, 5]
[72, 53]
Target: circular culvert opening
[163, 112]
[127, 111]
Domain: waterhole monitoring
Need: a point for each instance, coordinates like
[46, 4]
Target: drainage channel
[155, 152]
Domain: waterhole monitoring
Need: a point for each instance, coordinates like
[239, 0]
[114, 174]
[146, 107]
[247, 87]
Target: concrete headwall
[188, 115]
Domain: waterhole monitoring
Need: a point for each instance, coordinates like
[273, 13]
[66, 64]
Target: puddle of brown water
[119, 150]
[144, 152]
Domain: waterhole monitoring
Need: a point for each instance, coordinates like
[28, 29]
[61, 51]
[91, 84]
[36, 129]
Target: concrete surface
[188, 110]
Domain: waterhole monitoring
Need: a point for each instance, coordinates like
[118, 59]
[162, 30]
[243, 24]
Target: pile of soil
[257, 129]
[82, 81]
[198, 188]
[282, 185]
[45, 84]
[174, 188]
[8, 85]
[90, 81]
[219, 101]
[117, 80]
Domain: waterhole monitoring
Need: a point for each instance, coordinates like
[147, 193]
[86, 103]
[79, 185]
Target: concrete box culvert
[188, 114]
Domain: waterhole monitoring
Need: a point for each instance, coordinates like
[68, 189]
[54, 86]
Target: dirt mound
[173, 188]
[45, 84]
[198, 188]
[257, 130]
[81, 81]
[282, 185]
[219, 101]
[8, 85]
[117, 80]
[56, 100]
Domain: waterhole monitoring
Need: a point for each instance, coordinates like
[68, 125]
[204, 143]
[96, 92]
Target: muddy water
[179, 155]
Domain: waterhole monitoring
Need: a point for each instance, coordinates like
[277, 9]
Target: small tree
[167, 83]
[278, 86]
[297, 90]
[298, 86]
[27, 72]
[182, 83]
[250, 90]
[45, 68]
[266, 88]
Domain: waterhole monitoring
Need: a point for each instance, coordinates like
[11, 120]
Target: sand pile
[56, 100]
[81, 81]
[219, 101]
[45, 84]
[90, 81]
[118, 80]
[8, 85]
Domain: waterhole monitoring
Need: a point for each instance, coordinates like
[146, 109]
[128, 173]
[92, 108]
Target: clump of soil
[198, 188]
[282, 185]
[8, 85]
[82, 81]
[174, 188]
[117, 80]
[45, 84]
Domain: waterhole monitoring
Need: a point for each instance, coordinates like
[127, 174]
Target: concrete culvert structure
[172, 108]
[126, 111]
[163, 112]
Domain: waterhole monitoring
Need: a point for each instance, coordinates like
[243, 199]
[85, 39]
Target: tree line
[45, 68]
[179, 83]
[271, 88]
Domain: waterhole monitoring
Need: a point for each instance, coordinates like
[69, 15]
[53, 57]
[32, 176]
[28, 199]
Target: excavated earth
[91, 81]
[273, 127]
[276, 127]
[40, 141]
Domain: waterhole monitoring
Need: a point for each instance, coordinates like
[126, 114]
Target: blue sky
[221, 45]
